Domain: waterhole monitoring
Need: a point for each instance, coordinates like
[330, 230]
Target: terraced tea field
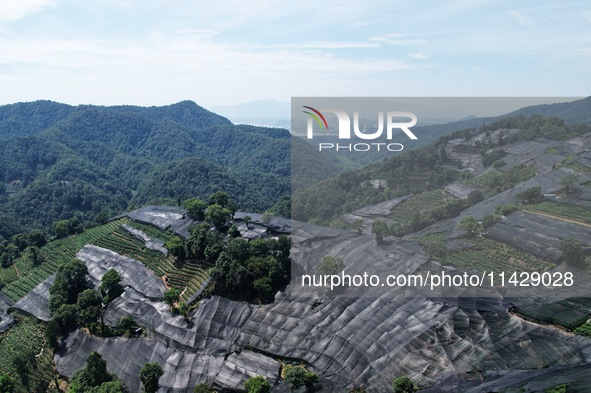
[189, 275]
[22, 276]
[26, 336]
[416, 180]
[404, 212]
[489, 255]
[152, 231]
[569, 313]
[18, 279]
[577, 213]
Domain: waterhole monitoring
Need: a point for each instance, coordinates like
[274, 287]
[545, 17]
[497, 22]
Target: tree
[61, 229]
[102, 218]
[111, 285]
[266, 219]
[531, 195]
[470, 225]
[184, 310]
[149, 376]
[201, 388]
[127, 326]
[257, 384]
[37, 238]
[96, 369]
[214, 246]
[217, 216]
[572, 251]
[198, 240]
[176, 246]
[35, 255]
[6, 383]
[561, 388]
[195, 208]
[474, 197]
[108, 387]
[8, 254]
[89, 307]
[70, 280]
[259, 248]
[569, 182]
[171, 296]
[23, 363]
[436, 249]
[233, 231]
[220, 198]
[229, 274]
[295, 377]
[310, 379]
[67, 317]
[247, 220]
[358, 225]
[380, 229]
[53, 333]
[404, 385]
[488, 221]
[238, 249]
[263, 287]
[330, 265]
[282, 248]
[20, 240]
[95, 378]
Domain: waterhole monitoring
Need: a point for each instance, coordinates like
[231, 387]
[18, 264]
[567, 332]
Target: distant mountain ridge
[57, 160]
[578, 111]
[28, 118]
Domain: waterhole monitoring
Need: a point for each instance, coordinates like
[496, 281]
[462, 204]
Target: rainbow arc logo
[316, 115]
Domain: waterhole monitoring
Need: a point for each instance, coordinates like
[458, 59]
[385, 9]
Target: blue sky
[228, 52]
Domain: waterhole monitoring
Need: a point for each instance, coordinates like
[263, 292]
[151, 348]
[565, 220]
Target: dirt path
[18, 272]
[561, 218]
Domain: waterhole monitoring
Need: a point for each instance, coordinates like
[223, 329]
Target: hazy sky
[227, 52]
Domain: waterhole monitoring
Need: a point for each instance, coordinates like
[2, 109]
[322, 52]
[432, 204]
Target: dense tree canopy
[57, 161]
[70, 280]
[111, 285]
[149, 376]
[404, 385]
[257, 384]
[95, 378]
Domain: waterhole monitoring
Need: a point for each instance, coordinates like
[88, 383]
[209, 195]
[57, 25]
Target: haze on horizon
[156, 53]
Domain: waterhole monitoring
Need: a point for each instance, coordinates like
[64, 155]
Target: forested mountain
[578, 111]
[27, 118]
[426, 168]
[58, 161]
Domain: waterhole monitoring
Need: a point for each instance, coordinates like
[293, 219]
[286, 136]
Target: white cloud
[164, 70]
[419, 55]
[387, 37]
[321, 45]
[100, 51]
[398, 39]
[11, 10]
[522, 19]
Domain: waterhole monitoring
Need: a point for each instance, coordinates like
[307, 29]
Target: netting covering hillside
[350, 341]
[36, 302]
[6, 320]
[537, 234]
[190, 353]
[133, 273]
[170, 218]
[151, 243]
